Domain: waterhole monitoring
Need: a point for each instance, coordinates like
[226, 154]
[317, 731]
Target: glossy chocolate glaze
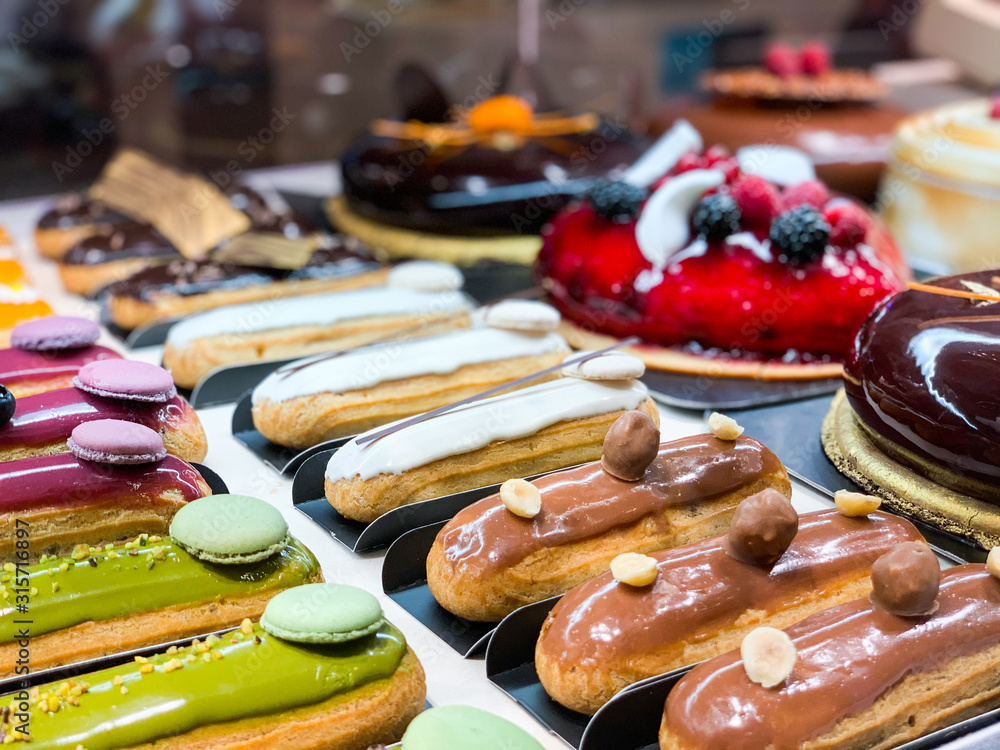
[341, 257]
[586, 502]
[391, 181]
[50, 417]
[120, 242]
[19, 365]
[66, 481]
[73, 211]
[700, 587]
[922, 374]
[848, 657]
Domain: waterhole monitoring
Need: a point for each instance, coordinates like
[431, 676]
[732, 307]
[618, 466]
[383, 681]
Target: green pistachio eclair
[143, 575]
[247, 673]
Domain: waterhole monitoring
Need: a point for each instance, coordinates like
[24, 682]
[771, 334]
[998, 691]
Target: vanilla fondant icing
[314, 309]
[396, 360]
[475, 425]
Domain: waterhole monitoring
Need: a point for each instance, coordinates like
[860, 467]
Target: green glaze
[159, 574]
[465, 728]
[229, 529]
[322, 613]
[258, 676]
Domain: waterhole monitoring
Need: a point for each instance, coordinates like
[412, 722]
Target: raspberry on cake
[735, 265]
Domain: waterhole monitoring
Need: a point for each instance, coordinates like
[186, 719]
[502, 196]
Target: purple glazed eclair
[108, 389]
[116, 482]
[46, 354]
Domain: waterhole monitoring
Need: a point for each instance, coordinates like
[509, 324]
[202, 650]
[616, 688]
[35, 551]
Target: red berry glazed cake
[732, 265]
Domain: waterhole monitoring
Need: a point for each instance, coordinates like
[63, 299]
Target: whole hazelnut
[763, 527]
[905, 580]
[630, 446]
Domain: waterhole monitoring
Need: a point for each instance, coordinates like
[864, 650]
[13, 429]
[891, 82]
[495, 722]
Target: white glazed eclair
[300, 326]
[528, 431]
[343, 393]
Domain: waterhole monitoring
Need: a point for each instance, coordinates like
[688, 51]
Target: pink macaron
[126, 379]
[54, 333]
[114, 441]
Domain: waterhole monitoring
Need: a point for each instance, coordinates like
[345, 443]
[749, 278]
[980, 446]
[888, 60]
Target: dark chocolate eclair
[77, 210]
[921, 376]
[267, 216]
[701, 602]
[337, 257]
[133, 241]
[73, 211]
[121, 242]
[127, 240]
[921, 671]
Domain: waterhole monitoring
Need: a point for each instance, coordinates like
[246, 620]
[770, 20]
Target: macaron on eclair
[101, 600]
[107, 389]
[230, 530]
[249, 688]
[46, 354]
[464, 728]
[116, 482]
[325, 614]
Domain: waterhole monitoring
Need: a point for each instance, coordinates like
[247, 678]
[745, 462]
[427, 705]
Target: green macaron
[465, 728]
[322, 613]
[229, 529]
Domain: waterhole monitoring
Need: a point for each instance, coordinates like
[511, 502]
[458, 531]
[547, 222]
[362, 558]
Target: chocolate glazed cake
[482, 190]
[460, 185]
[917, 420]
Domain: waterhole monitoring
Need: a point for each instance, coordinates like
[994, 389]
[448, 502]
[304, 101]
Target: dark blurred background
[241, 84]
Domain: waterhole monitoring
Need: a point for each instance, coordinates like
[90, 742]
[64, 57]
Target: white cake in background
[940, 197]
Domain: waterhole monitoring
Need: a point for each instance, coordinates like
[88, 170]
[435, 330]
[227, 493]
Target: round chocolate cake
[917, 421]
[462, 184]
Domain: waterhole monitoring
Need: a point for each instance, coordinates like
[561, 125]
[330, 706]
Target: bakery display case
[494, 375]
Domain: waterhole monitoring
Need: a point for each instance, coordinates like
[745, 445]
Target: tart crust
[671, 360]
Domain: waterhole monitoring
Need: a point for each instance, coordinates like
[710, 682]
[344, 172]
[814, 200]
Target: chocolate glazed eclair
[488, 561]
[873, 673]
[771, 568]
